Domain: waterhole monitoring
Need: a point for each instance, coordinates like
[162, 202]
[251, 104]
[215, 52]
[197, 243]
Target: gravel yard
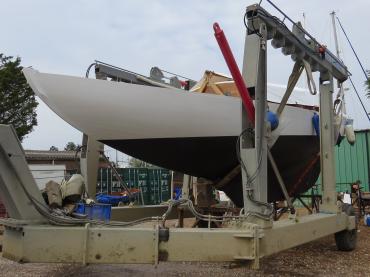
[318, 258]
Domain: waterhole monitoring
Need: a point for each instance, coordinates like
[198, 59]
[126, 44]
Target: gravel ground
[318, 258]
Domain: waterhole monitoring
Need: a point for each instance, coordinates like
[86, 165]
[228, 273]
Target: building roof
[53, 155]
[50, 155]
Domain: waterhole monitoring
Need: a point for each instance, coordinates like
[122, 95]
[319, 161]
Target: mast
[335, 33]
[340, 85]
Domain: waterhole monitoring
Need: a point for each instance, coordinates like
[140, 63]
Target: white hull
[194, 133]
[110, 110]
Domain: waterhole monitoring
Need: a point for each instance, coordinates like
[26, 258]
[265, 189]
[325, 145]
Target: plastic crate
[95, 211]
[367, 220]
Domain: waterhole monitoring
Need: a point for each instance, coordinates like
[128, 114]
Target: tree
[53, 148]
[367, 83]
[133, 162]
[17, 100]
[71, 146]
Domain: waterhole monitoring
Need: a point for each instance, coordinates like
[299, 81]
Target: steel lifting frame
[304, 50]
[245, 239]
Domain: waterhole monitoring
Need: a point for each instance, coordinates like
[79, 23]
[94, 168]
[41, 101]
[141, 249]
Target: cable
[353, 50]
[209, 218]
[358, 96]
[58, 217]
[88, 69]
[251, 179]
[245, 19]
[174, 74]
[362, 67]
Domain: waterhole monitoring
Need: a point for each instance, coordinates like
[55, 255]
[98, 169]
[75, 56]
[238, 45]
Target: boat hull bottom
[214, 157]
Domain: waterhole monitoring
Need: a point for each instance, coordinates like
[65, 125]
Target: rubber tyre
[346, 240]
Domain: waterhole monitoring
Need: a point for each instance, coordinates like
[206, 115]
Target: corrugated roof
[49, 155]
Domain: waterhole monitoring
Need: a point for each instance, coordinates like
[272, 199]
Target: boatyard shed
[67, 158]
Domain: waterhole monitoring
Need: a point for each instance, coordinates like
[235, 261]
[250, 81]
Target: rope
[310, 82]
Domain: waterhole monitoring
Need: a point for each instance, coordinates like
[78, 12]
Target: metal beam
[102, 71]
[327, 141]
[280, 181]
[292, 81]
[92, 244]
[253, 149]
[300, 45]
[131, 213]
[16, 181]
[286, 234]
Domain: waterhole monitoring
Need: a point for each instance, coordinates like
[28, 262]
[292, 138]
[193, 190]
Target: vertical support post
[261, 127]
[256, 246]
[171, 186]
[90, 155]
[186, 186]
[85, 248]
[253, 149]
[89, 163]
[329, 197]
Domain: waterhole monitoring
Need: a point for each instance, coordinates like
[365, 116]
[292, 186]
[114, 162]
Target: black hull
[214, 157]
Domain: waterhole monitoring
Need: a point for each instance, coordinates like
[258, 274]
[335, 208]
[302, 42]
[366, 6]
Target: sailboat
[188, 131]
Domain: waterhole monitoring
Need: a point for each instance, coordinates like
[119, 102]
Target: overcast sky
[64, 37]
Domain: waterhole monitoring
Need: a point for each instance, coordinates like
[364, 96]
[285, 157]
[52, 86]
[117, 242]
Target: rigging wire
[359, 99]
[353, 50]
[362, 68]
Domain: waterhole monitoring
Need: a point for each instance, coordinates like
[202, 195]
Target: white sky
[66, 36]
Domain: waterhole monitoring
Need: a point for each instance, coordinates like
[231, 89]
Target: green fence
[352, 163]
[153, 182]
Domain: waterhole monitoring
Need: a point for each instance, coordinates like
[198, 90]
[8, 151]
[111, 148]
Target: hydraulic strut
[235, 73]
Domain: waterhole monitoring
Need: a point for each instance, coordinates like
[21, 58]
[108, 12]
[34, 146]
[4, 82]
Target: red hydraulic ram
[235, 73]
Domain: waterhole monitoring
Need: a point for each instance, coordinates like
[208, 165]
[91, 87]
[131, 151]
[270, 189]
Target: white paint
[111, 110]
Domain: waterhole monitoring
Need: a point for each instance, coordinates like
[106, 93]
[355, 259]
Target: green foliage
[54, 148]
[71, 146]
[17, 100]
[367, 83]
[133, 162]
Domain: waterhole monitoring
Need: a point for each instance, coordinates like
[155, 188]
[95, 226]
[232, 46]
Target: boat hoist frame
[28, 237]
